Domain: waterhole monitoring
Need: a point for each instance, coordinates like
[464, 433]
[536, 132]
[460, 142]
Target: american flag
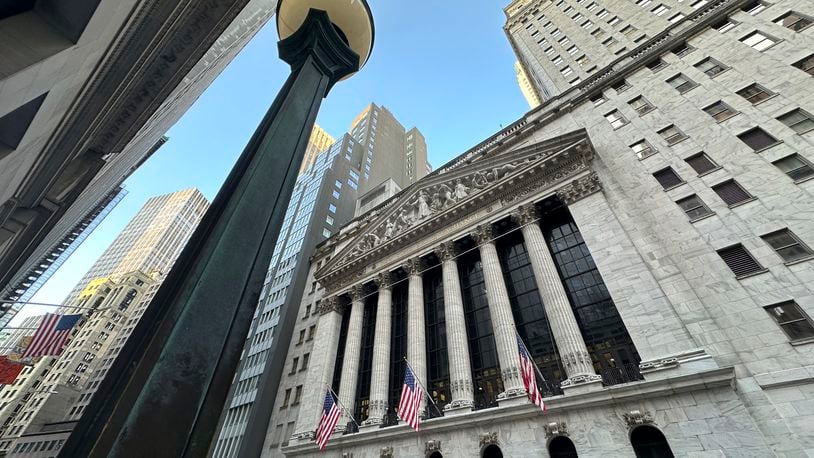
[529, 377]
[411, 396]
[330, 417]
[51, 335]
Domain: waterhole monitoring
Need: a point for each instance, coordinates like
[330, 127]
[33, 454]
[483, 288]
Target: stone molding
[555, 428]
[580, 188]
[673, 361]
[581, 380]
[487, 439]
[637, 418]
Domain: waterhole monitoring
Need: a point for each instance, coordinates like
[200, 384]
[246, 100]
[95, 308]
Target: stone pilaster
[416, 330]
[350, 362]
[460, 369]
[321, 367]
[380, 373]
[570, 343]
[500, 310]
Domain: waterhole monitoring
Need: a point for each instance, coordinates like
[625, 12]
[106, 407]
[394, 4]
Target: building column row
[380, 372]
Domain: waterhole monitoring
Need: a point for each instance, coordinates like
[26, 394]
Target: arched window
[649, 442]
[436, 455]
[562, 447]
[492, 451]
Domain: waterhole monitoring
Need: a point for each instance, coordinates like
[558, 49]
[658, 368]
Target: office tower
[152, 240]
[317, 144]
[41, 409]
[86, 96]
[529, 93]
[379, 131]
[324, 199]
[647, 233]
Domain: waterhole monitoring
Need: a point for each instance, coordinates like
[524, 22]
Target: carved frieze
[488, 439]
[637, 418]
[555, 428]
[580, 188]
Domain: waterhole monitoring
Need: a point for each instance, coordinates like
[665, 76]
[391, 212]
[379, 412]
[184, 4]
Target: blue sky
[443, 66]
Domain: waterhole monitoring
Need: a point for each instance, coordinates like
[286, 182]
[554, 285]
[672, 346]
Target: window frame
[701, 154]
[806, 165]
[747, 196]
[804, 318]
[801, 64]
[763, 148]
[672, 174]
[759, 268]
[758, 46]
[808, 252]
[679, 133]
[715, 65]
[615, 122]
[700, 205]
[801, 17]
[639, 154]
[687, 85]
[807, 118]
[769, 94]
[727, 111]
[644, 108]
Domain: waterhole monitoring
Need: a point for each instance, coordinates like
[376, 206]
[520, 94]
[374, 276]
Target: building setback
[646, 232]
[324, 199]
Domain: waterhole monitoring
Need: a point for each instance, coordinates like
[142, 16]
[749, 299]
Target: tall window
[398, 345]
[610, 345]
[479, 330]
[362, 408]
[795, 166]
[787, 245]
[435, 326]
[757, 139]
[527, 309]
[649, 442]
[792, 320]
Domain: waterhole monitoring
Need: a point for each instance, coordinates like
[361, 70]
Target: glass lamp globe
[352, 18]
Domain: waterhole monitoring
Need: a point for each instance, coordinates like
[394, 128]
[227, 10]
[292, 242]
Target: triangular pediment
[457, 187]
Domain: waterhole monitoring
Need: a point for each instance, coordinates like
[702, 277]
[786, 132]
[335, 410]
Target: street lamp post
[165, 392]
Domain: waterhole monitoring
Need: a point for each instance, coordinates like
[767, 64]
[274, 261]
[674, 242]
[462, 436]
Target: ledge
[717, 378]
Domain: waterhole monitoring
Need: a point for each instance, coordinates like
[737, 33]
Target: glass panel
[799, 330]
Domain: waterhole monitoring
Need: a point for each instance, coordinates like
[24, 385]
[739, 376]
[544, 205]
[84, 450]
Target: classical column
[353, 348]
[416, 328]
[380, 373]
[460, 369]
[321, 368]
[500, 310]
[561, 319]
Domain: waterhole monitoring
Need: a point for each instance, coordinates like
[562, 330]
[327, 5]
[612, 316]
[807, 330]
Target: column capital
[356, 292]
[483, 234]
[384, 280]
[580, 188]
[525, 214]
[414, 266]
[330, 304]
[447, 251]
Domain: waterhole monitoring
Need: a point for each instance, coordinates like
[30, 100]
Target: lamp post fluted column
[165, 392]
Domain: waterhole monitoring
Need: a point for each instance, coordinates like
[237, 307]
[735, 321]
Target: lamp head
[351, 18]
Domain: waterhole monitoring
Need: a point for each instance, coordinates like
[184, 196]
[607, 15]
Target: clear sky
[443, 66]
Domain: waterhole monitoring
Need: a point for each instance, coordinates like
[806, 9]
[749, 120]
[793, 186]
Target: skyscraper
[317, 144]
[324, 199]
[112, 296]
[152, 240]
[646, 231]
[528, 90]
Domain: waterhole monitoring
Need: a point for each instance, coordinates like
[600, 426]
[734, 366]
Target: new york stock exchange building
[647, 343]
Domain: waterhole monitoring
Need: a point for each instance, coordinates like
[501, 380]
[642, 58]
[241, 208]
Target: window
[557, 60]
[573, 50]
[725, 25]
[720, 111]
[798, 120]
[740, 261]
[305, 358]
[643, 3]
[681, 83]
[668, 178]
[648, 441]
[656, 64]
[566, 71]
[641, 105]
[806, 65]
[616, 119]
[794, 21]
[787, 245]
[311, 332]
[660, 10]
[754, 8]
[297, 395]
[702, 163]
[587, 24]
[563, 41]
[795, 166]
[550, 51]
[614, 20]
[629, 31]
[755, 93]
[598, 99]
[332, 208]
[699, 4]
[757, 139]
[329, 220]
[792, 320]
[759, 41]
[598, 33]
[621, 86]
[338, 184]
[294, 364]
[694, 207]
[602, 13]
[326, 233]
[676, 17]
[302, 337]
[672, 135]
[711, 67]
[335, 194]
[732, 193]
[286, 399]
[583, 60]
[643, 149]
[683, 49]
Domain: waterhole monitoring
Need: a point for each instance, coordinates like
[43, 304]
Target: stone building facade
[654, 257]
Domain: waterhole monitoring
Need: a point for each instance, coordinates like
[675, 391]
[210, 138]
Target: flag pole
[426, 392]
[533, 362]
[341, 406]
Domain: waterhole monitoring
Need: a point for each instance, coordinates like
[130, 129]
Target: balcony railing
[625, 373]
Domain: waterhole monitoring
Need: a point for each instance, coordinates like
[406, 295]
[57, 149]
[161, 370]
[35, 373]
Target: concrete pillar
[500, 310]
[350, 362]
[416, 327]
[570, 343]
[380, 373]
[460, 368]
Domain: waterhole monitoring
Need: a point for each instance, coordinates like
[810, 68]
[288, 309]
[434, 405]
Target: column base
[367, 425]
[512, 397]
[302, 438]
[458, 408]
[582, 384]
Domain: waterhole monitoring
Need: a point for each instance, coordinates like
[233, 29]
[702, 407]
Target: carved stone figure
[461, 191]
[390, 230]
[423, 205]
